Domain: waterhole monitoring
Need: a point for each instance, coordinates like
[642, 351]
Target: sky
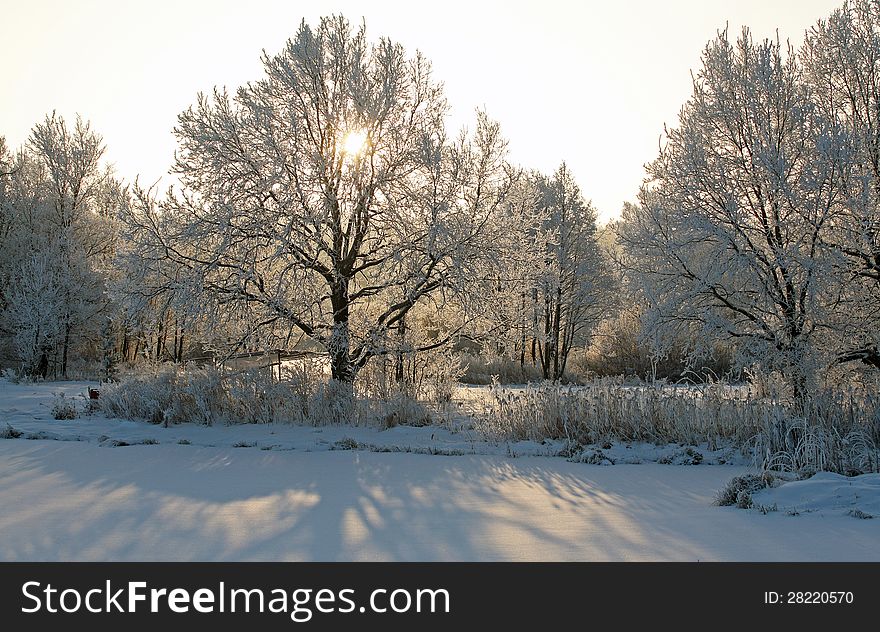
[590, 83]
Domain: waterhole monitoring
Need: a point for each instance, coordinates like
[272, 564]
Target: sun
[354, 142]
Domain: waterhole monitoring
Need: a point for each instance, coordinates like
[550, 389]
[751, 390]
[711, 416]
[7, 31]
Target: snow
[83, 499]
[825, 494]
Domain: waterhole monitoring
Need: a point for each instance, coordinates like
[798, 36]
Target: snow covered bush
[402, 410]
[837, 433]
[440, 374]
[64, 408]
[146, 395]
[431, 377]
[210, 395]
[683, 456]
[204, 395]
[9, 432]
[739, 489]
[333, 403]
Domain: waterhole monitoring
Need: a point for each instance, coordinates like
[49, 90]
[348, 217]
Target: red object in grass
[93, 393]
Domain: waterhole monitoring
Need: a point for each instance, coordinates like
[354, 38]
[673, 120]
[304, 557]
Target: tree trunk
[398, 367]
[342, 366]
[36, 350]
[43, 364]
[534, 325]
[342, 369]
[547, 356]
[64, 348]
[160, 339]
[522, 323]
[565, 347]
[557, 316]
[799, 391]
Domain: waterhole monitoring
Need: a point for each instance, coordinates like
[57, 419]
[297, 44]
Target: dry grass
[170, 395]
[836, 431]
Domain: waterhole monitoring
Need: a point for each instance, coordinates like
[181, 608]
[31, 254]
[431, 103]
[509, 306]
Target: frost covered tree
[550, 284]
[35, 306]
[31, 309]
[574, 289]
[502, 292]
[841, 57]
[76, 190]
[727, 237]
[325, 198]
[6, 170]
[58, 202]
[154, 319]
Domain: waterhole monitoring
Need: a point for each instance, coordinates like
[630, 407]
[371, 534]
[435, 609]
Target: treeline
[394, 247]
[326, 205]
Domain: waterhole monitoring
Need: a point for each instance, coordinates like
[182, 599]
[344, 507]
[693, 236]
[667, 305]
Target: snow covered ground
[824, 494]
[298, 494]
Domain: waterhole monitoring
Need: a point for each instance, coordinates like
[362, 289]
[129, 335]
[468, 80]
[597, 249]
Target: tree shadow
[81, 502]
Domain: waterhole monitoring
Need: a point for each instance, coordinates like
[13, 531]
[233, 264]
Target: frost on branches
[325, 198]
[756, 224]
[57, 237]
[841, 58]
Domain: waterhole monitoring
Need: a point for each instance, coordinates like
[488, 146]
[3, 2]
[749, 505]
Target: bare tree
[728, 235]
[7, 169]
[325, 198]
[551, 282]
[58, 240]
[841, 57]
[502, 290]
[574, 290]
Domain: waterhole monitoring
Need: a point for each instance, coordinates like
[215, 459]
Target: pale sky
[591, 83]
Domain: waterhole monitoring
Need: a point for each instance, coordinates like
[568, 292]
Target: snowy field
[74, 491]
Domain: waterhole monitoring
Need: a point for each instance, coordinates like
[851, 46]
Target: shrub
[9, 432]
[740, 489]
[64, 408]
[744, 500]
[858, 513]
[431, 377]
[346, 443]
[591, 457]
[209, 395]
[170, 395]
[402, 410]
[684, 456]
[836, 431]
